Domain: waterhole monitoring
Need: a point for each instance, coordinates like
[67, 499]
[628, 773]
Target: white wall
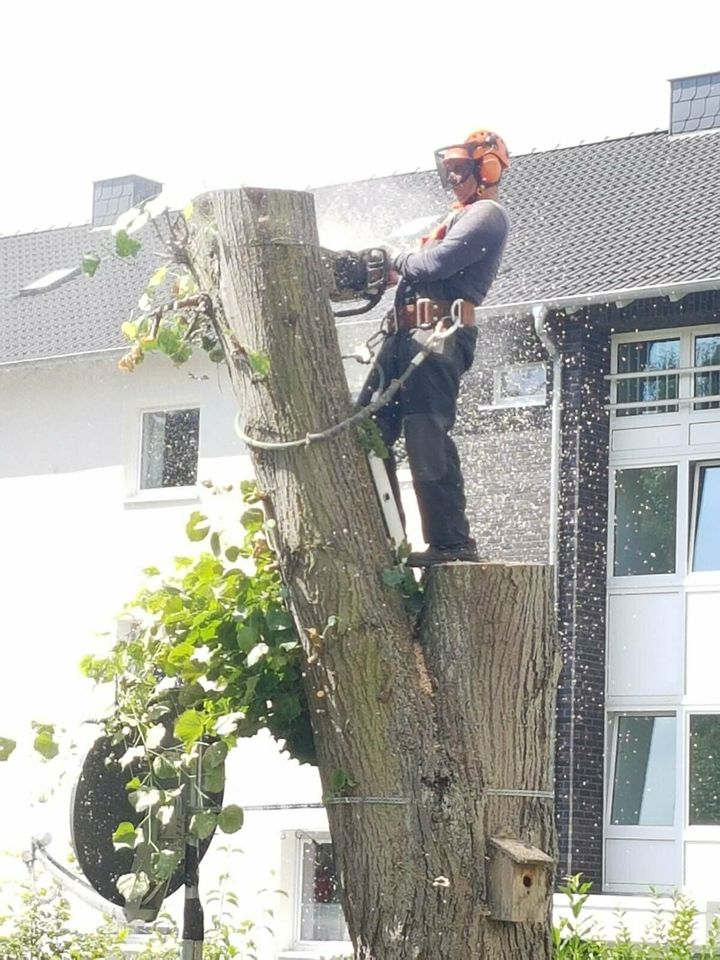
[76, 534]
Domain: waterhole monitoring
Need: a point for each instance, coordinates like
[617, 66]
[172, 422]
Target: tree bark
[423, 718]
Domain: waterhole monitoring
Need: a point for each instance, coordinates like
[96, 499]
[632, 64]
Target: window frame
[672, 406]
[328, 946]
[527, 400]
[634, 578]
[693, 506]
[709, 332]
[686, 384]
[617, 831]
[696, 832]
[140, 494]
[681, 533]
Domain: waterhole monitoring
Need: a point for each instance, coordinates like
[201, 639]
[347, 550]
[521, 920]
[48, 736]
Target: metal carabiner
[443, 333]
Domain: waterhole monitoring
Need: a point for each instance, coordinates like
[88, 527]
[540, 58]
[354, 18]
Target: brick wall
[581, 597]
[505, 452]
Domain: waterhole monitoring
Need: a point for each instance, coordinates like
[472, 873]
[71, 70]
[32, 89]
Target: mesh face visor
[455, 163]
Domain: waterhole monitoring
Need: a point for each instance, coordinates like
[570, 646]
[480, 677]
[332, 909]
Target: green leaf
[133, 886]
[182, 354]
[157, 711]
[125, 836]
[169, 341]
[126, 246]
[257, 653]
[230, 818]
[249, 491]
[189, 727]
[215, 755]
[182, 652]
[247, 636]
[393, 577]
[192, 694]
[232, 553]
[164, 863]
[90, 263]
[44, 742]
[215, 543]
[197, 527]
[279, 620]
[6, 748]
[339, 780]
[129, 330]
[164, 768]
[158, 277]
[213, 781]
[188, 210]
[253, 519]
[203, 823]
[259, 364]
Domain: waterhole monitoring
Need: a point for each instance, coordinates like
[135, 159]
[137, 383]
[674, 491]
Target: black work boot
[452, 553]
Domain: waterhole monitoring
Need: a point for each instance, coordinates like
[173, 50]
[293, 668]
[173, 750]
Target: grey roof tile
[79, 316]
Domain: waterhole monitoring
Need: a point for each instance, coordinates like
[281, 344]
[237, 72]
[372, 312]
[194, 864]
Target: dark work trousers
[424, 411]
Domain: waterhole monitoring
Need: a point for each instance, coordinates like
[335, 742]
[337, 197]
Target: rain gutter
[57, 357]
[620, 297]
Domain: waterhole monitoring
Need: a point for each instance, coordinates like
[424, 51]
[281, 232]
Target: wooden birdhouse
[519, 881]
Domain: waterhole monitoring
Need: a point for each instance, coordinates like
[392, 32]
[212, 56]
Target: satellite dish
[99, 804]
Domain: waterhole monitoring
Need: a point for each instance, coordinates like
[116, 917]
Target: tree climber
[448, 277]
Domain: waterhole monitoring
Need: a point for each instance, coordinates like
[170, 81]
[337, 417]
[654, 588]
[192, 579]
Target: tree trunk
[429, 724]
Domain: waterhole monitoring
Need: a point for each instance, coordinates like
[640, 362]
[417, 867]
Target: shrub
[668, 936]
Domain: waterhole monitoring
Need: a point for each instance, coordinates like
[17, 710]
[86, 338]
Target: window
[706, 517]
[51, 280]
[707, 354]
[170, 443]
[704, 801]
[653, 357]
[643, 792]
[645, 527]
[321, 916]
[519, 386]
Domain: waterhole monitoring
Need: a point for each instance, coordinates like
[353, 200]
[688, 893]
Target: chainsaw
[360, 277]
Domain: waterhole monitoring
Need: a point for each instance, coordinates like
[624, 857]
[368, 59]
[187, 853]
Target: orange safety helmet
[486, 155]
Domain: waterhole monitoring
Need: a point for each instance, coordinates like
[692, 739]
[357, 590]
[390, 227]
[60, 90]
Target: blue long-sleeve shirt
[463, 263]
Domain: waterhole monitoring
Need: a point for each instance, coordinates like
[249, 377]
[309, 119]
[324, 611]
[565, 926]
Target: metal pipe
[193, 934]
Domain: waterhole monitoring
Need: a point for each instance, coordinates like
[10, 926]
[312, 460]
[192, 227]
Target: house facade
[589, 431]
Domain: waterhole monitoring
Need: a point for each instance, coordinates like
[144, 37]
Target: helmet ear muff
[489, 170]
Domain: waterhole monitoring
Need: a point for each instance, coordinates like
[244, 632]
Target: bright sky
[292, 93]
